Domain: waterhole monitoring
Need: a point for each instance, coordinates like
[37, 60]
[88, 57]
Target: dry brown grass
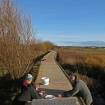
[88, 64]
[88, 58]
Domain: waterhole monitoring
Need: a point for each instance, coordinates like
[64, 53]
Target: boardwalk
[58, 81]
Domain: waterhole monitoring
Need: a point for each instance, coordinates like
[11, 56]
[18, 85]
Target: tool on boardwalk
[44, 59]
[50, 97]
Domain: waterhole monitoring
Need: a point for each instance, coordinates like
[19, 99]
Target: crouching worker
[27, 94]
[79, 88]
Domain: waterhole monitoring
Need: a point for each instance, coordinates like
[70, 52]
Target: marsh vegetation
[88, 64]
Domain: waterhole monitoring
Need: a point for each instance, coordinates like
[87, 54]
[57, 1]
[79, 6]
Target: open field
[87, 63]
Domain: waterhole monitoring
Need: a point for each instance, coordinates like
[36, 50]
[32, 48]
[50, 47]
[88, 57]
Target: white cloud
[64, 36]
[56, 35]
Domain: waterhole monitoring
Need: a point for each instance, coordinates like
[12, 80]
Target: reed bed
[88, 64]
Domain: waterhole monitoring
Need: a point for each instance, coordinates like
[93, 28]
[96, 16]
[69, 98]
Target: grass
[8, 89]
[3, 71]
[87, 63]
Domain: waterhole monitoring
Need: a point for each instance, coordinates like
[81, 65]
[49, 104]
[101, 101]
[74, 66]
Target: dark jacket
[25, 84]
[27, 94]
[82, 90]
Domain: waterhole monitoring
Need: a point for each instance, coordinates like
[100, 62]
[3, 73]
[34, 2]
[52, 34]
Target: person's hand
[42, 93]
[59, 95]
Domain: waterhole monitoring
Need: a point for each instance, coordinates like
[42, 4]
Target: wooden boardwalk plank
[58, 82]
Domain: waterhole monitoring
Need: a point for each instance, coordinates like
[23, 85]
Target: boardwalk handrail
[60, 66]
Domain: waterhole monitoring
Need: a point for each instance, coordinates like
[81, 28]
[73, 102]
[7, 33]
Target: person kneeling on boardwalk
[79, 88]
[27, 94]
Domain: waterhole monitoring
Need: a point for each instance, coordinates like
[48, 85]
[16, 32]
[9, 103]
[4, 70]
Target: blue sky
[68, 22]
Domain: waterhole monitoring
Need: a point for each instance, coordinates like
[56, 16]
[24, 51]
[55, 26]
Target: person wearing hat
[28, 80]
[28, 93]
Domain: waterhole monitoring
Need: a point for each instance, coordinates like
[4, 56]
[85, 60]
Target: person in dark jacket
[28, 93]
[80, 88]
